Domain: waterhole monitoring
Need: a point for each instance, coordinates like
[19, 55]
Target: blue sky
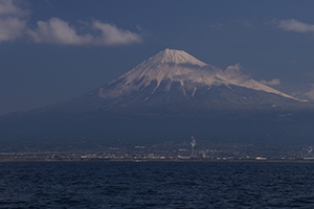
[53, 50]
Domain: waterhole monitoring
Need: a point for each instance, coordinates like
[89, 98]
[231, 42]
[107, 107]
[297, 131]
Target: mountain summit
[173, 80]
[175, 57]
[178, 66]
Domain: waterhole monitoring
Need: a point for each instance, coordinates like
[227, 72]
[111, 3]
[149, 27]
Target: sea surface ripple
[158, 185]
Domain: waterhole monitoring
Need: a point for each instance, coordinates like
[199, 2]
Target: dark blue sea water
[156, 185]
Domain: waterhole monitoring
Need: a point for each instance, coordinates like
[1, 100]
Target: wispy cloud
[217, 26]
[293, 25]
[12, 21]
[13, 25]
[273, 82]
[10, 8]
[112, 35]
[231, 68]
[11, 28]
[233, 72]
[245, 23]
[59, 31]
[310, 94]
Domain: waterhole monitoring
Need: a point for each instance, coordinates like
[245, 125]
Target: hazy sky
[54, 50]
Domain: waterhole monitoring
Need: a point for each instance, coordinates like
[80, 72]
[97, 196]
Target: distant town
[192, 150]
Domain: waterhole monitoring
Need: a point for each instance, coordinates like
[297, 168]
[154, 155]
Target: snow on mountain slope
[253, 84]
[176, 57]
[178, 66]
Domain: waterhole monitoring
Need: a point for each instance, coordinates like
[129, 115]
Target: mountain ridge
[174, 78]
[179, 66]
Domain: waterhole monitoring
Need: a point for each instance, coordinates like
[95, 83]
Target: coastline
[154, 160]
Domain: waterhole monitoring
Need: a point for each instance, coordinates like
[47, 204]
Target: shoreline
[154, 160]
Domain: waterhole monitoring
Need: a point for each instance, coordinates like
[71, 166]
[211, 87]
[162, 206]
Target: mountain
[174, 82]
[170, 96]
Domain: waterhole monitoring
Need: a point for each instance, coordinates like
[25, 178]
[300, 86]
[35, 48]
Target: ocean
[162, 185]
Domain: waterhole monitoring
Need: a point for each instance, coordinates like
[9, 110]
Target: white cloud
[293, 25]
[61, 32]
[12, 21]
[11, 28]
[310, 94]
[233, 72]
[9, 8]
[236, 67]
[57, 31]
[273, 82]
[111, 35]
[13, 25]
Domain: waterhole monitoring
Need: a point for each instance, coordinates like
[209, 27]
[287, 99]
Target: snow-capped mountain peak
[176, 67]
[167, 65]
[175, 57]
